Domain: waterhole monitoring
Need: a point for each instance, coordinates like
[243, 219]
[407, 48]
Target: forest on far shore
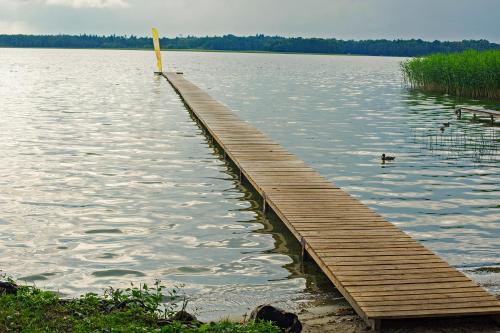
[257, 43]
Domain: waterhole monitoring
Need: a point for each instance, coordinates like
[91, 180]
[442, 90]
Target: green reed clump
[470, 73]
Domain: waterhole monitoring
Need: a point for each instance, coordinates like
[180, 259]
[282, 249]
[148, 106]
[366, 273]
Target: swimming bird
[385, 157]
[446, 124]
[441, 128]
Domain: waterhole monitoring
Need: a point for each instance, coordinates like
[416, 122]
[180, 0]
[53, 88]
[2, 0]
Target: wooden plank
[444, 312]
[397, 268]
[412, 287]
[441, 301]
[429, 306]
[402, 281]
[419, 292]
[378, 273]
[370, 253]
[380, 270]
[375, 263]
[407, 276]
[400, 298]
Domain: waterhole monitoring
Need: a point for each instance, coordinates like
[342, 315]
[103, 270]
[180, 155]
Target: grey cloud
[346, 19]
[88, 3]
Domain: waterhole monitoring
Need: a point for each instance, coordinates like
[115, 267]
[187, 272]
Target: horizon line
[245, 36]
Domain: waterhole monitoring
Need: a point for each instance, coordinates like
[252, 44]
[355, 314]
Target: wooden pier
[380, 270]
[492, 114]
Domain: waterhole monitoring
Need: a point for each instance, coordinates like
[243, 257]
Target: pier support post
[376, 325]
[264, 203]
[303, 256]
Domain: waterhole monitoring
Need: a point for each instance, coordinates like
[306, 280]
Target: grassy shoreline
[26, 308]
[467, 74]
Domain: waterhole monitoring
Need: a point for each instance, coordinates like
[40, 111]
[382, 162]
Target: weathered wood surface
[492, 114]
[379, 269]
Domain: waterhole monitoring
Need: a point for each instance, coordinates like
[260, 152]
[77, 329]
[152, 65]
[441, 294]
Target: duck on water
[387, 158]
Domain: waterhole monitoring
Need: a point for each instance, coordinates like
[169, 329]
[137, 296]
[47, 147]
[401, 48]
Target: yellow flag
[156, 43]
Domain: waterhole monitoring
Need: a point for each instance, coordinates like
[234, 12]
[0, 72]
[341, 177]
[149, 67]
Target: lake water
[105, 178]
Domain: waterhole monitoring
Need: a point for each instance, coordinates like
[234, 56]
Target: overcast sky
[345, 19]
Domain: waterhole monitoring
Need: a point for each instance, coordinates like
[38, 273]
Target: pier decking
[380, 270]
[492, 114]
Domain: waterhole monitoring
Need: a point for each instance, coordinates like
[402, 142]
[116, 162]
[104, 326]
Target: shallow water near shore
[105, 178]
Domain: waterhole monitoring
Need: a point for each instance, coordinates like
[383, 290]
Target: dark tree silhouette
[379, 47]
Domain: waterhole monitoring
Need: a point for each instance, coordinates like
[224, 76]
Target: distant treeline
[379, 47]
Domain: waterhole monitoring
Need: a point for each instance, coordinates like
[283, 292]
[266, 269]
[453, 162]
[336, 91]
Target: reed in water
[470, 73]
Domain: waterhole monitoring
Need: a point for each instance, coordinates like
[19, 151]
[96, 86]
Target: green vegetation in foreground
[29, 309]
[467, 74]
[257, 43]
